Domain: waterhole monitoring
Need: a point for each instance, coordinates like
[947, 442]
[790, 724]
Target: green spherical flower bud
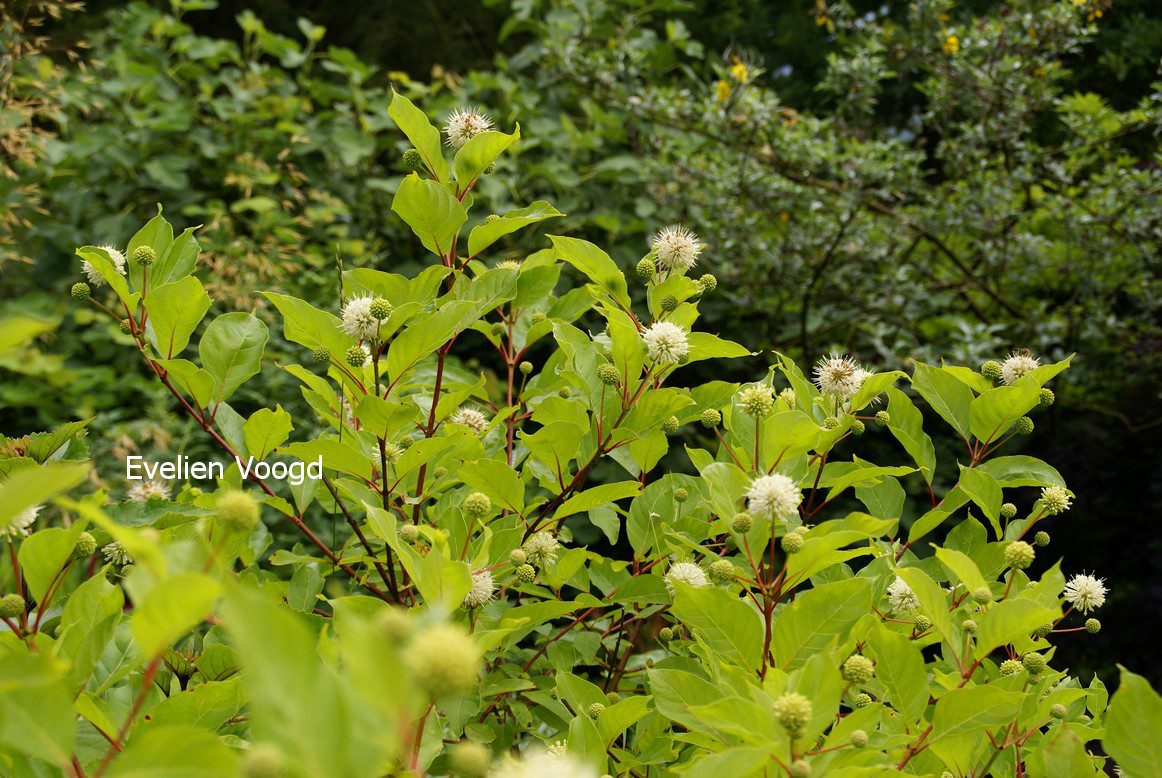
[490, 169]
[381, 308]
[756, 400]
[721, 571]
[1041, 538]
[413, 160]
[526, 573]
[858, 669]
[830, 423]
[922, 623]
[1058, 711]
[708, 282]
[800, 769]
[883, 419]
[439, 472]
[683, 359]
[991, 370]
[321, 355]
[946, 774]
[1043, 630]
[126, 329]
[565, 391]
[470, 759]
[1011, 667]
[1008, 510]
[444, 660]
[265, 760]
[1034, 663]
[144, 255]
[526, 368]
[862, 700]
[857, 427]
[1023, 425]
[670, 425]
[741, 523]
[355, 356]
[409, 533]
[81, 292]
[596, 709]
[11, 606]
[793, 712]
[859, 738]
[614, 698]
[792, 542]
[498, 329]
[681, 495]
[1019, 555]
[665, 634]
[85, 547]
[608, 374]
[669, 303]
[477, 505]
[983, 594]
[538, 317]
[645, 268]
[518, 556]
[237, 511]
[711, 418]
[1046, 398]
[405, 443]
[1092, 626]
[968, 625]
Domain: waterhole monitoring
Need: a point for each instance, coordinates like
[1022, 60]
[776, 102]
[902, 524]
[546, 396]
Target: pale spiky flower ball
[20, 524]
[1085, 592]
[144, 491]
[358, 321]
[541, 549]
[773, 496]
[677, 248]
[508, 264]
[1055, 500]
[471, 418]
[465, 124]
[553, 763]
[482, 590]
[115, 256]
[558, 748]
[901, 596]
[114, 552]
[839, 376]
[688, 573]
[1018, 365]
[666, 342]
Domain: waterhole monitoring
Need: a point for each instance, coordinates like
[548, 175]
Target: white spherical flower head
[1018, 365]
[471, 418]
[482, 590]
[357, 319]
[539, 763]
[114, 552]
[666, 342]
[677, 248]
[839, 376]
[1085, 592]
[688, 573]
[144, 491]
[115, 256]
[773, 496]
[21, 523]
[901, 597]
[541, 549]
[465, 124]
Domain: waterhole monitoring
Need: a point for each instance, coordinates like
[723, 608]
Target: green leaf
[432, 212]
[419, 130]
[336, 456]
[266, 430]
[207, 705]
[489, 232]
[961, 566]
[305, 324]
[1132, 723]
[933, 602]
[703, 345]
[873, 386]
[497, 480]
[816, 616]
[157, 234]
[385, 419]
[175, 310]
[36, 710]
[948, 396]
[900, 668]
[174, 752]
[231, 351]
[44, 554]
[1015, 471]
[597, 497]
[172, 608]
[1006, 621]
[595, 264]
[478, 153]
[178, 261]
[729, 626]
[305, 586]
[983, 489]
[995, 411]
[907, 426]
[30, 486]
[962, 711]
[88, 620]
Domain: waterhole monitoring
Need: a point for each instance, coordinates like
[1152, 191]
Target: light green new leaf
[44, 554]
[497, 480]
[266, 430]
[729, 626]
[231, 351]
[961, 566]
[816, 616]
[90, 616]
[873, 386]
[595, 264]
[175, 311]
[961, 711]
[158, 235]
[488, 233]
[174, 752]
[1133, 722]
[433, 213]
[419, 130]
[305, 324]
[1006, 621]
[178, 261]
[907, 425]
[197, 384]
[171, 608]
[30, 486]
[478, 153]
[900, 668]
[947, 395]
[933, 601]
[703, 345]
[597, 497]
[336, 455]
[1016, 471]
[995, 411]
[983, 489]
[36, 711]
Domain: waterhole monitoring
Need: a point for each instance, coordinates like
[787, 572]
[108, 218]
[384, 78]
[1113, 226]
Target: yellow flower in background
[722, 90]
[951, 45]
[739, 72]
